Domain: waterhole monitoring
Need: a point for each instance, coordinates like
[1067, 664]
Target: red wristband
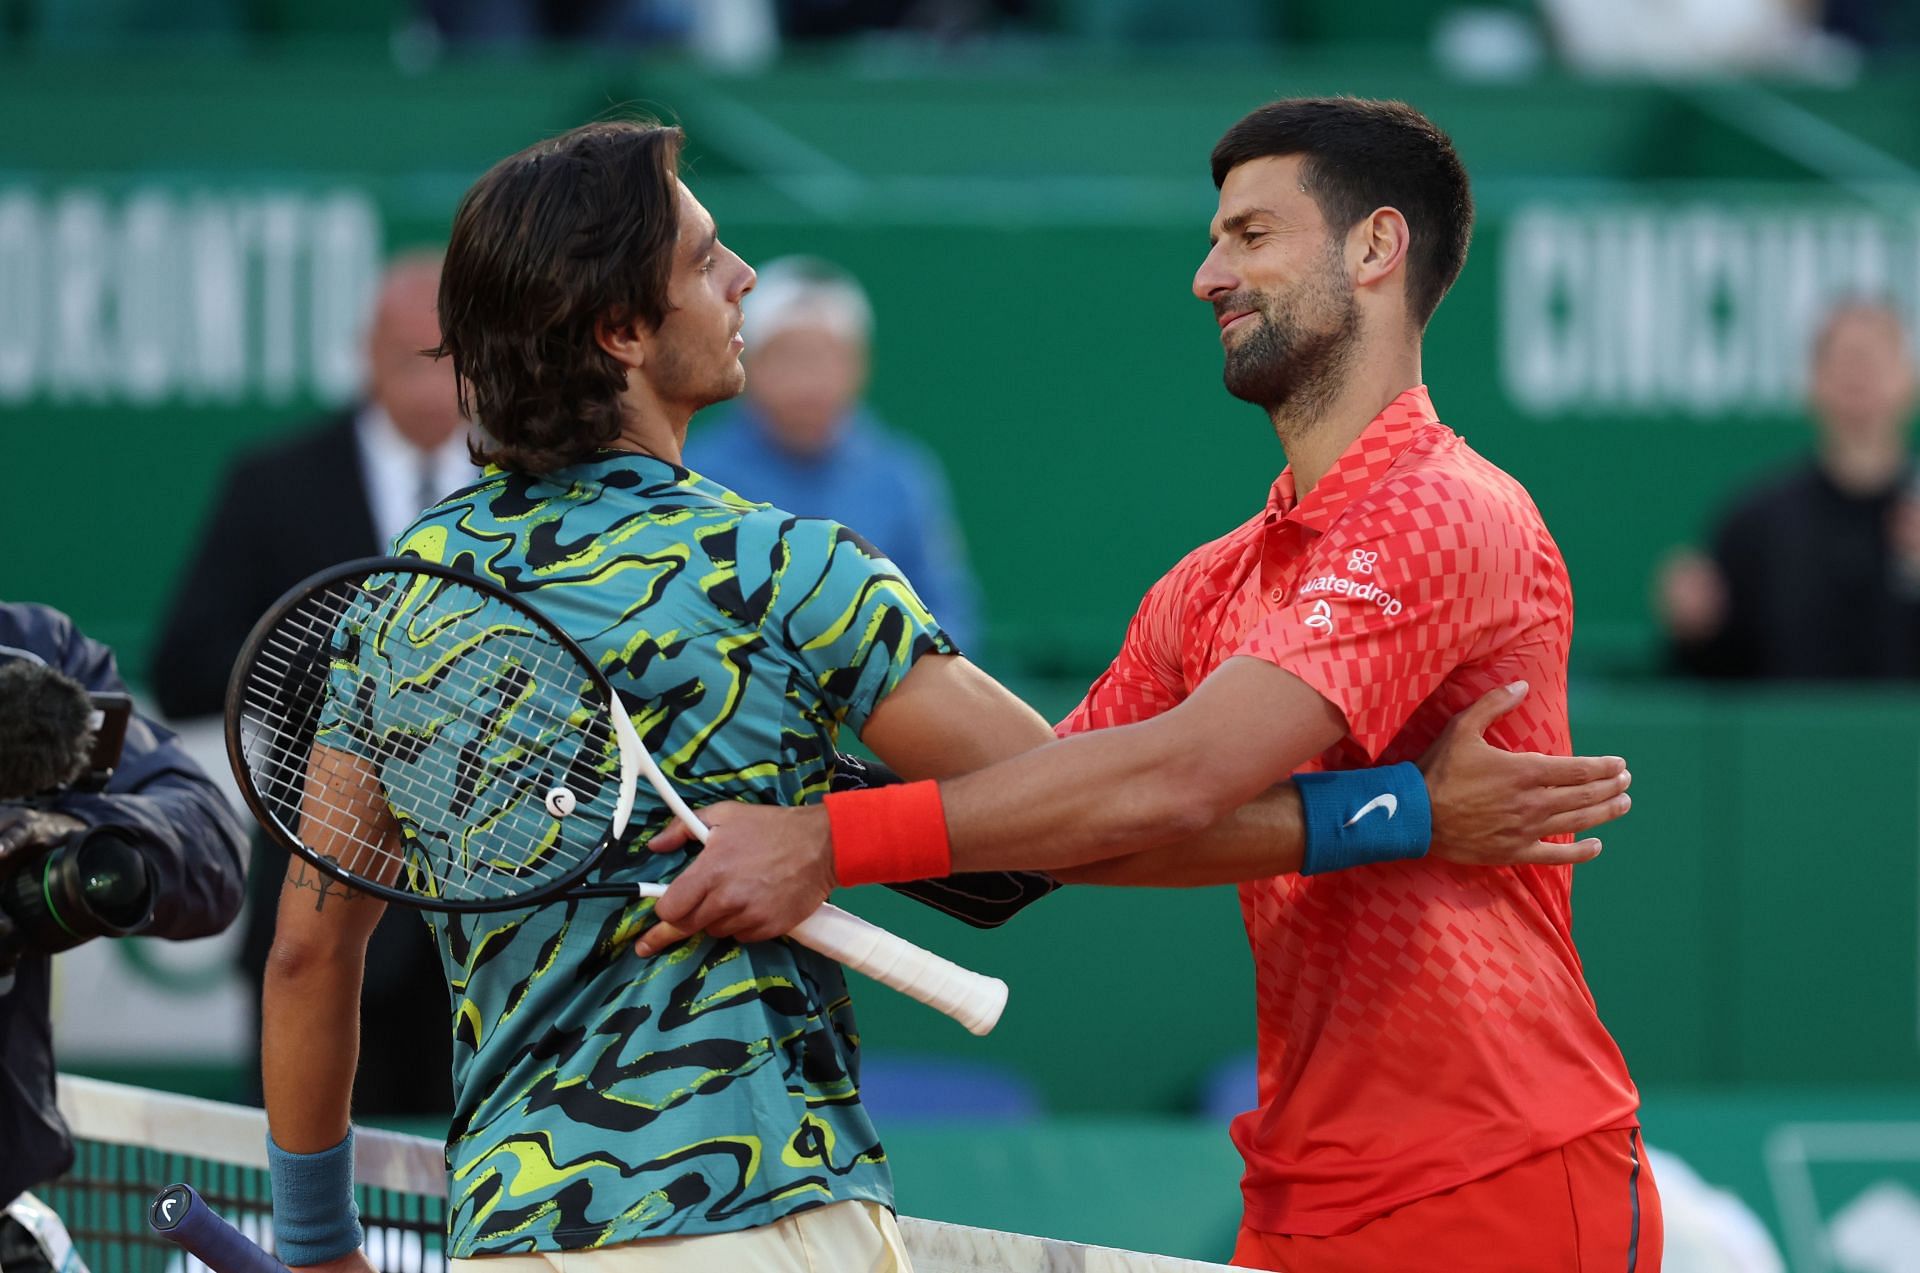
[887, 835]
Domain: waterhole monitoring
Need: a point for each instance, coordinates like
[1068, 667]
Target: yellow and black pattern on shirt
[601, 1098]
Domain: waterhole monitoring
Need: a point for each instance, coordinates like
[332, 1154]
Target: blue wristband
[1357, 817]
[314, 1216]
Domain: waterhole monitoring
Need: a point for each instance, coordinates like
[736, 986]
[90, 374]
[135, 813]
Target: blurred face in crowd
[415, 390]
[1863, 382]
[692, 360]
[804, 379]
[1277, 280]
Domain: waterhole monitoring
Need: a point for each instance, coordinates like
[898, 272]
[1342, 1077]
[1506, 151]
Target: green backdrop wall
[184, 243]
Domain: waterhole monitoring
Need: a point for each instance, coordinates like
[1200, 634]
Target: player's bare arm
[310, 996]
[1146, 802]
[1491, 807]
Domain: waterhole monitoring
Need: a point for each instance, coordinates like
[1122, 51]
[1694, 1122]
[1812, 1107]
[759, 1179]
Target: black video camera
[56, 739]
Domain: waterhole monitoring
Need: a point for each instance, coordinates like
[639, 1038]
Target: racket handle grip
[973, 999]
[181, 1216]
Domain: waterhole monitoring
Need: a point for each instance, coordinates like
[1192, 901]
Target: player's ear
[622, 338]
[1377, 248]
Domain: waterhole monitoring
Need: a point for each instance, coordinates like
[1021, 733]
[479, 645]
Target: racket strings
[463, 714]
[425, 787]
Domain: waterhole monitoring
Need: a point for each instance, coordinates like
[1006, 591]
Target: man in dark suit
[338, 490]
[1837, 536]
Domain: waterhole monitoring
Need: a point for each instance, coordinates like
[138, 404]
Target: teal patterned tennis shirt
[601, 1098]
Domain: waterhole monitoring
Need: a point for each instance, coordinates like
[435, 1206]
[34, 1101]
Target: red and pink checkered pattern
[1421, 1024]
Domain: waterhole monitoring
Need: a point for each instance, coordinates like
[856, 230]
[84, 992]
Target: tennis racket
[182, 1217]
[428, 738]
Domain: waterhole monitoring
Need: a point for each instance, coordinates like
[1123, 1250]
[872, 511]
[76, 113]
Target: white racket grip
[973, 999]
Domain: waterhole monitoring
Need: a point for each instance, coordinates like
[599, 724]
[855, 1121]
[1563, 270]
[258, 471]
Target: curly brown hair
[550, 242]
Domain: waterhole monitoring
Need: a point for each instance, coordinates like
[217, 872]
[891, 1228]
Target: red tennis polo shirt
[1421, 1024]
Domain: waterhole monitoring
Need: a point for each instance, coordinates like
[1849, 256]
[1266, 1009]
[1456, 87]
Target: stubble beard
[686, 380]
[1291, 368]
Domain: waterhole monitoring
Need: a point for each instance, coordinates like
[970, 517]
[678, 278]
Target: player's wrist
[1360, 817]
[314, 1216]
[888, 835]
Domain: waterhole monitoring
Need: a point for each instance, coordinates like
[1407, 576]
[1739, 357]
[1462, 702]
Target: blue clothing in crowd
[888, 488]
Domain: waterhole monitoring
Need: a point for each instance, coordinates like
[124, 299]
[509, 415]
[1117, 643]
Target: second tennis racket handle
[973, 999]
[181, 1216]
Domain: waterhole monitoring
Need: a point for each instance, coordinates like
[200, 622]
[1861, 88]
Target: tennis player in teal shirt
[708, 1098]
[601, 1099]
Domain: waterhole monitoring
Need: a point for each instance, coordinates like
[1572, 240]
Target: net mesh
[131, 1143]
[425, 733]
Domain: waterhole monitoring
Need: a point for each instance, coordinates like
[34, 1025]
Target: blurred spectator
[1686, 36]
[1873, 24]
[815, 19]
[1861, 21]
[342, 489]
[518, 22]
[802, 440]
[1815, 574]
[738, 35]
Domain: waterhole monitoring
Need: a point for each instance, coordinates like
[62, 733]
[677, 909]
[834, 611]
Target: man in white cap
[802, 440]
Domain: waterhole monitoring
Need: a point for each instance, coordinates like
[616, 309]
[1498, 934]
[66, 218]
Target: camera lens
[111, 878]
[94, 885]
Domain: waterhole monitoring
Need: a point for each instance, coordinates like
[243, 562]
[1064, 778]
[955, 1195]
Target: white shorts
[845, 1237]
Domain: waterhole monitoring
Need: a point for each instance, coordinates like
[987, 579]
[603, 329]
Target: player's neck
[650, 426]
[1315, 446]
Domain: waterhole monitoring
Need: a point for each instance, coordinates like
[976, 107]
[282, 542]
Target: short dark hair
[1361, 155]
[548, 243]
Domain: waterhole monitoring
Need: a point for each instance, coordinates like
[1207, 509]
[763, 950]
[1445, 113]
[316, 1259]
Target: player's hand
[763, 870]
[1499, 808]
[351, 1262]
[23, 830]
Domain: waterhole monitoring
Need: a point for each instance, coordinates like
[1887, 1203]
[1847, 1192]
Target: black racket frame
[570, 884]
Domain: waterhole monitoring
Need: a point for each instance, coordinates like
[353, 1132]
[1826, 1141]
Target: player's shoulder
[1441, 484]
[488, 506]
[791, 545]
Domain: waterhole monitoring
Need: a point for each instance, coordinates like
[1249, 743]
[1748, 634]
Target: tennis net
[131, 1142]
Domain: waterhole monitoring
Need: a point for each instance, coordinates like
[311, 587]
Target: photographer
[153, 850]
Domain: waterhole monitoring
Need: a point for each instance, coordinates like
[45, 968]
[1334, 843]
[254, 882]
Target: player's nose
[1213, 278]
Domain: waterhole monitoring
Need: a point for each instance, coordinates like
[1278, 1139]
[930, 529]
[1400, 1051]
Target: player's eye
[706, 266]
[1252, 236]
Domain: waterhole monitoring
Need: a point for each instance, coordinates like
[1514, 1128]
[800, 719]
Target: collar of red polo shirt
[1359, 466]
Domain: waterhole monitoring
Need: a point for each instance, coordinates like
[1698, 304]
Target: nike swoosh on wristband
[1389, 802]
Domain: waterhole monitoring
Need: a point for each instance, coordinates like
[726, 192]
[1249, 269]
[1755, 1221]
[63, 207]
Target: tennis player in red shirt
[1436, 1088]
